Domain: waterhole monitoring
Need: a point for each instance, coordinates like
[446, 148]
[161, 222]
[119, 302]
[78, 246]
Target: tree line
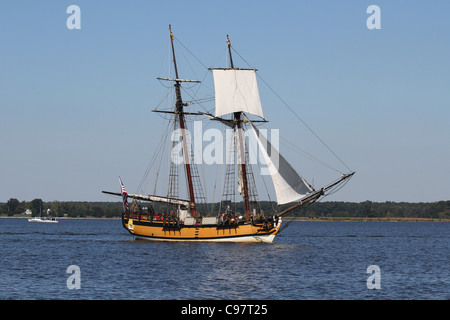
[72, 209]
[366, 209]
[369, 209]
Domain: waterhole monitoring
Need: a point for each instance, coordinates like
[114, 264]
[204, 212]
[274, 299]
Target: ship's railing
[223, 220]
[144, 216]
[203, 221]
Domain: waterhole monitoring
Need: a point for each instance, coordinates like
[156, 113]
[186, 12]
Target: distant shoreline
[304, 219]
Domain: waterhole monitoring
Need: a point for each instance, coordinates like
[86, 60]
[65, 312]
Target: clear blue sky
[75, 104]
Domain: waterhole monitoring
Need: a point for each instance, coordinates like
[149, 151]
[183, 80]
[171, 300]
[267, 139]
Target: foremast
[180, 113]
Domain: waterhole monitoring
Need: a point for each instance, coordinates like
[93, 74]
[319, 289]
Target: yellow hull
[246, 232]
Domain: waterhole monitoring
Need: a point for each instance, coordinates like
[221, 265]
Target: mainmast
[240, 138]
[179, 110]
[229, 52]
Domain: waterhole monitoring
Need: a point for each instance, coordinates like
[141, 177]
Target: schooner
[236, 96]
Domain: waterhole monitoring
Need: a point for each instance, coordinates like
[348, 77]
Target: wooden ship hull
[145, 229]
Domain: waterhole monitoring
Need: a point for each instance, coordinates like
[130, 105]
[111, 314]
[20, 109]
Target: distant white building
[28, 211]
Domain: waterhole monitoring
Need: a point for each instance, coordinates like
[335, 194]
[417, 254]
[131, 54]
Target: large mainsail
[289, 185]
[236, 90]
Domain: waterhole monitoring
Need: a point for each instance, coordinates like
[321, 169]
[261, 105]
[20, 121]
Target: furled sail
[289, 185]
[236, 90]
[240, 161]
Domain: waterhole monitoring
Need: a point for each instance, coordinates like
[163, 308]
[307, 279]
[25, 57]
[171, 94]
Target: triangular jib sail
[236, 90]
[289, 185]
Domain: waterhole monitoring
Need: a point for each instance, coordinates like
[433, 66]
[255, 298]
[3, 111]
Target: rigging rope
[296, 115]
[159, 150]
[308, 155]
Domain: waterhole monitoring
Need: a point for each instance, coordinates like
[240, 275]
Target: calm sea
[308, 260]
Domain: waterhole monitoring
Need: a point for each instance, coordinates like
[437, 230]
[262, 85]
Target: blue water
[308, 260]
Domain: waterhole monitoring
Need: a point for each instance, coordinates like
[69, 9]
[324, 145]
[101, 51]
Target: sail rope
[307, 206]
[295, 148]
[304, 208]
[192, 93]
[159, 151]
[311, 157]
[296, 115]
[199, 61]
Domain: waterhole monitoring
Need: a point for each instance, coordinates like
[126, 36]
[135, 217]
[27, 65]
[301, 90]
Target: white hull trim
[254, 239]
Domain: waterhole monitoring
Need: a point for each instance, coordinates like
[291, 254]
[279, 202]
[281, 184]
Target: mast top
[170, 29]
[229, 52]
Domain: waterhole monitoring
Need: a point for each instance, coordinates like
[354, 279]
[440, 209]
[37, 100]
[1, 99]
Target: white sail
[289, 185]
[236, 90]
